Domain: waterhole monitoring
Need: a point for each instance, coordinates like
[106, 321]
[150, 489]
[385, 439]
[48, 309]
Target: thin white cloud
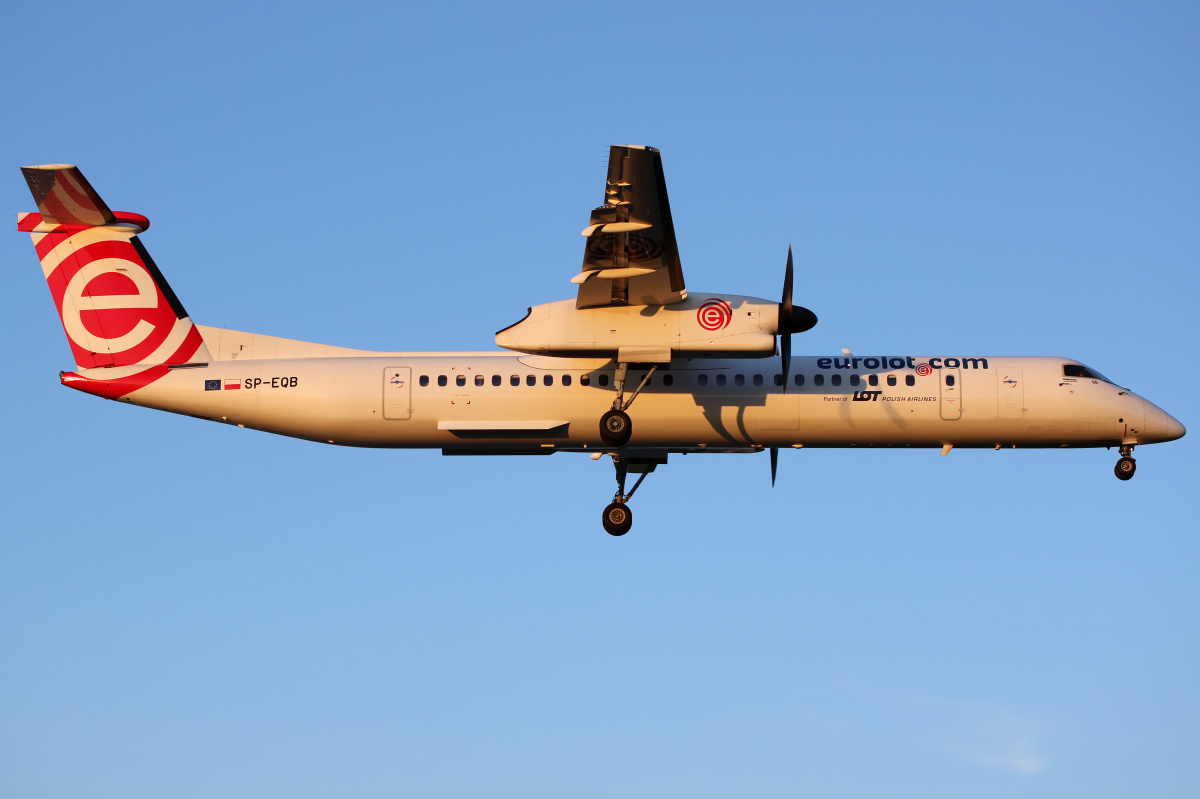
[988, 735]
[994, 738]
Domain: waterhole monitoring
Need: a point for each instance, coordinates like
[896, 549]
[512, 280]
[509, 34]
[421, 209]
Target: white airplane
[704, 369]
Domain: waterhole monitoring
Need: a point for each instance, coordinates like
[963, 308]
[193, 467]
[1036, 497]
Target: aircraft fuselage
[503, 402]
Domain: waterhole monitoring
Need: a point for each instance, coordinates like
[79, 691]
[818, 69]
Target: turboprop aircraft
[709, 372]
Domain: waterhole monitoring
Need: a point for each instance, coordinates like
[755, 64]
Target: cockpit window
[1079, 370]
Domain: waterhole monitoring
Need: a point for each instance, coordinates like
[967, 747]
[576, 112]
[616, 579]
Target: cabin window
[668, 380]
[949, 380]
[835, 380]
[441, 380]
[479, 380]
[461, 380]
[603, 380]
[739, 380]
[515, 380]
[702, 380]
[585, 380]
[495, 380]
[530, 380]
[548, 380]
[799, 380]
[758, 380]
[721, 380]
[566, 380]
[818, 380]
[891, 380]
[779, 380]
[909, 380]
[854, 381]
[873, 380]
[424, 380]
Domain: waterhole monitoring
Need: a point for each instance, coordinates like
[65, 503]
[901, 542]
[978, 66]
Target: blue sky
[192, 610]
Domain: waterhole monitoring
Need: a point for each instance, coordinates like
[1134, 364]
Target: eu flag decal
[212, 385]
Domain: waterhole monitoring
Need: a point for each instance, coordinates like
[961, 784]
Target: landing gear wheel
[615, 428]
[617, 519]
[1125, 468]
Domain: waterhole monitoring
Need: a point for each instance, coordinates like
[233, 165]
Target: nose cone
[1161, 426]
[1174, 428]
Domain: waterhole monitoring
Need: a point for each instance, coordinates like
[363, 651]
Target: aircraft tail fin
[116, 307]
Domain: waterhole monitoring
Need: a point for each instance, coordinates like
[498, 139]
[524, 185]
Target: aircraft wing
[630, 257]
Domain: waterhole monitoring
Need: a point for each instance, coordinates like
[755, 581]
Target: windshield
[1079, 370]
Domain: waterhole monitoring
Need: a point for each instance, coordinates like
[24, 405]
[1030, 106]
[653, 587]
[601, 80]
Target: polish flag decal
[230, 385]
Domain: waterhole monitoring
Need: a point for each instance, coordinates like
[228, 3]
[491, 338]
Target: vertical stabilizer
[115, 306]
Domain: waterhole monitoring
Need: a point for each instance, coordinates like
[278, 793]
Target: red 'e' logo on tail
[111, 308]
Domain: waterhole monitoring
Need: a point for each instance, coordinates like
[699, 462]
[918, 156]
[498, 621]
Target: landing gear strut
[1126, 466]
[615, 425]
[618, 518]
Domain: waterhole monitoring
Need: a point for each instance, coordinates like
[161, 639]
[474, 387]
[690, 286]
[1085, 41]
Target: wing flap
[506, 425]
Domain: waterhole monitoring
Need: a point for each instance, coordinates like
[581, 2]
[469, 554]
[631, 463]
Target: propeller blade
[785, 314]
[785, 350]
[793, 319]
[774, 464]
[785, 305]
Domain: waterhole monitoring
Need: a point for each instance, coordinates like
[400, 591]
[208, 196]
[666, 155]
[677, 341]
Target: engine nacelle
[702, 326]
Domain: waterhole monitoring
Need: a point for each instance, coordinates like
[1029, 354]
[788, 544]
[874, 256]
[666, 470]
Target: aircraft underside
[502, 404]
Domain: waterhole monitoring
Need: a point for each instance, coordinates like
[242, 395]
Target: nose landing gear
[618, 518]
[1126, 466]
[615, 425]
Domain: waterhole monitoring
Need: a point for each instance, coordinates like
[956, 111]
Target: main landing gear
[615, 425]
[618, 518]
[1126, 466]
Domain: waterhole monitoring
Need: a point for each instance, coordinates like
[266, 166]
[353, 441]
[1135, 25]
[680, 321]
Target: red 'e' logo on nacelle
[714, 314]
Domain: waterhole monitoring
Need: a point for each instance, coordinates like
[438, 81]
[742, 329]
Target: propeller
[792, 319]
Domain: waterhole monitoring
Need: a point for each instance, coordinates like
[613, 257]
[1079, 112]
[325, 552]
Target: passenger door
[397, 392]
[951, 392]
[1010, 392]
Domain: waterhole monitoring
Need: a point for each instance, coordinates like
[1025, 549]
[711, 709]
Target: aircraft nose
[1162, 426]
[1173, 428]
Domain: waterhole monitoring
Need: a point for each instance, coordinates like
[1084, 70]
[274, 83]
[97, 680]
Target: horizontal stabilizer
[64, 196]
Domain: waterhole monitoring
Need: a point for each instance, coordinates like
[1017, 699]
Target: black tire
[1125, 468]
[618, 518]
[615, 428]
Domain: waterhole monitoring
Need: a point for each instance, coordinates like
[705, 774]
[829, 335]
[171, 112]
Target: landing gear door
[1010, 392]
[397, 392]
[951, 393]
